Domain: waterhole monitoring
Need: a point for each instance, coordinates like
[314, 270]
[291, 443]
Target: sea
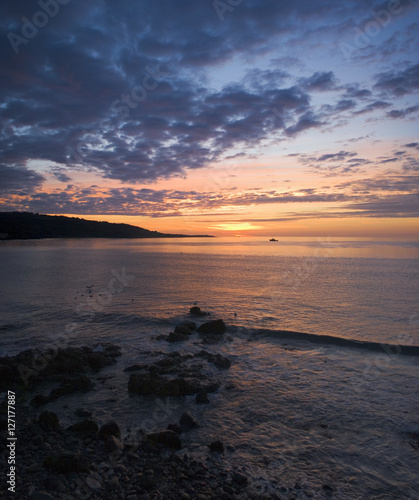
[322, 398]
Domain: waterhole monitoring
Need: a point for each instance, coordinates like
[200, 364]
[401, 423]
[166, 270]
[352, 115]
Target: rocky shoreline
[90, 462]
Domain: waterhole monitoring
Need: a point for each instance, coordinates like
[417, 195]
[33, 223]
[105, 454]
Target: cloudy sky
[257, 117]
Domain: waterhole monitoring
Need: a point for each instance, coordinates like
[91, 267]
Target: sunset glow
[264, 119]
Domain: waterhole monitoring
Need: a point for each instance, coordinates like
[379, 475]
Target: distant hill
[26, 225]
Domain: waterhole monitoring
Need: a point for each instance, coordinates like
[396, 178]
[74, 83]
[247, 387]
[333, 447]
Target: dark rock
[112, 444]
[183, 329]
[167, 362]
[414, 440]
[221, 362]
[327, 489]
[120, 469]
[218, 360]
[239, 478]
[81, 383]
[87, 427]
[177, 337]
[39, 400]
[216, 327]
[109, 429]
[189, 324]
[135, 368]
[148, 385]
[188, 421]
[166, 438]
[212, 387]
[196, 311]
[175, 428]
[83, 413]
[33, 366]
[202, 398]
[217, 446]
[113, 484]
[48, 420]
[66, 463]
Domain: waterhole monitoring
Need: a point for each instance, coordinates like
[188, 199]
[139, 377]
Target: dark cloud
[402, 113]
[399, 83]
[308, 120]
[390, 196]
[62, 177]
[16, 180]
[341, 156]
[121, 88]
[403, 205]
[320, 81]
[334, 164]
[372, 107]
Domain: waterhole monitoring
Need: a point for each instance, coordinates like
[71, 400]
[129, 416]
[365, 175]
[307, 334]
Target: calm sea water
[297, 412]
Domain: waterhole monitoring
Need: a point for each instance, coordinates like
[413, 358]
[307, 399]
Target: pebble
[93, 484]
[114, 483]
[142, 472]
[120, 469]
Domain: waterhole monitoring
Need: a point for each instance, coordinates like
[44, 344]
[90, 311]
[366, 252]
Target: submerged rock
[216, 327]
[202, 398]
[155, 385]
[217, 359]
[196, 311]
[71, 385]
[177, 337]
[185, 328]
[188, 421]
[216, 447]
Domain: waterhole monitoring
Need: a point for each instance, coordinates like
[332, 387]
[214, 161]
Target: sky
[225, 117]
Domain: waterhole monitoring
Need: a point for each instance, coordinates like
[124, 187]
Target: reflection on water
[290, 412]
[286, 246]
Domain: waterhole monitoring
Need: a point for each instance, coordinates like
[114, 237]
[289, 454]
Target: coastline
[93, 462]
[180, 387]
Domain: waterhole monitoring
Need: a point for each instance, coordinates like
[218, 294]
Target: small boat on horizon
[273, 239]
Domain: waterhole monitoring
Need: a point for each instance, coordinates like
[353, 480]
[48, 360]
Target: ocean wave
[392, 349]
